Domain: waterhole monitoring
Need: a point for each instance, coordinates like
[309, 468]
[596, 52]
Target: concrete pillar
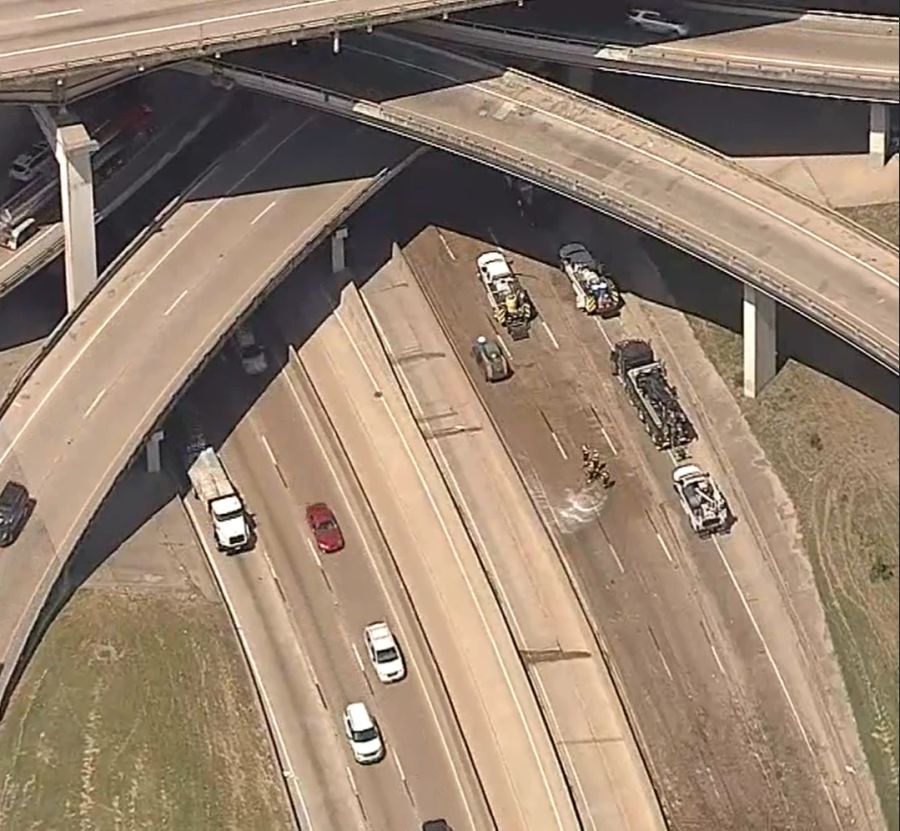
[73, 152]
[878, 134]
[154, 460]
[338, 255]
[759, 341]
[580, 78]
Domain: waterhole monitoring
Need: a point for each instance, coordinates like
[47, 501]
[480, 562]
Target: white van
[14, 238]
[363, 735]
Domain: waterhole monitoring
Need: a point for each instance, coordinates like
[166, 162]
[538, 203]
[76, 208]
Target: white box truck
[213, 488]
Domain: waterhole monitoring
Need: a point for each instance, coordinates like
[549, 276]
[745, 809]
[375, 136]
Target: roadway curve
[54, 38]
[823, 266]
[821, 54]
[84, 411]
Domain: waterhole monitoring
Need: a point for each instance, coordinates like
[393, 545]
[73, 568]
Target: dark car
[489, 356]
[436, 825]
[324, 527]
[15, 507]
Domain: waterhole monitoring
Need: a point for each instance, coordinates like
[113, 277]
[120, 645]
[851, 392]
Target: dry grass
[836, 452]
[135, 713]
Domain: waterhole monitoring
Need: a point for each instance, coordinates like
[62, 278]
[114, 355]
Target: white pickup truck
[213, 488]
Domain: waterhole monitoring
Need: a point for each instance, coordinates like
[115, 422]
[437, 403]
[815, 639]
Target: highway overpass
[817, 53]
[51, 40]
[812, 260]
[112, 371]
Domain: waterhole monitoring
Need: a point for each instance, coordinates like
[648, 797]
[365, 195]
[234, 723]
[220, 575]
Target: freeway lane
[283, 456]
[83, 413]
[812, 260]
[494, 701]
[55, 37]
[611, 786]
[813, 54]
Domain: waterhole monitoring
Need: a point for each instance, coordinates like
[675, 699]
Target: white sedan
[384, 653]
[653, 21]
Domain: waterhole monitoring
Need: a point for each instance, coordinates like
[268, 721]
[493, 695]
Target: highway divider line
[278, 746]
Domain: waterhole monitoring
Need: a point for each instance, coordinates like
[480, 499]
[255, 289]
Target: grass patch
[136, 712]
[883, 220]
[836, 452]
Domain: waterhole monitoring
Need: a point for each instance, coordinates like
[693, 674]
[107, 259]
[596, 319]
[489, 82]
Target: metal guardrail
[657, 60]
[200, 43]
[615, 203]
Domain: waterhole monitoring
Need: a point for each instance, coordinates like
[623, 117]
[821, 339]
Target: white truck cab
[212, 486]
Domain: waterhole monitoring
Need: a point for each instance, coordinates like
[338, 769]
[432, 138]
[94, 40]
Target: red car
[325, 528]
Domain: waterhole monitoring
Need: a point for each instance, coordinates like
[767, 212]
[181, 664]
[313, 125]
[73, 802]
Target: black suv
[15, 506]
[436, 825]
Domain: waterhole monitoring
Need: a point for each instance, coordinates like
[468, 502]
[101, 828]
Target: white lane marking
[63, 13]
[493, 235]
[559, 447]
[616, 557]
[718, 660]
[608, 440]
[399, 766]
[456, 556]
[446, 245]
[352, 781]
[284, 756]
[314, 549]
[504, 347]
[603, 332]
[175, 302]
[263, 212]
[191, 24]
[377, 568]
[268, 447]
[146, 276]
[676, 166]
[359, 660]
[665, 548]
[550, 334]
[95, 402]
[777, 671]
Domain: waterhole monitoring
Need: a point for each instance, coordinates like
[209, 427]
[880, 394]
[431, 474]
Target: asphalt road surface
[685, 194]
[282, 456]
[85, 410]
[607, 775]
[494, 702]
[40, 37]
[730, 712]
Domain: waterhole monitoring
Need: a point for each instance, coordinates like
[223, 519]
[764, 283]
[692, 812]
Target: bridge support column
[878, 134]
[154, 457]
[73, 152]
[72, 146]
[759, 341]
[580, 78]
[338, 254]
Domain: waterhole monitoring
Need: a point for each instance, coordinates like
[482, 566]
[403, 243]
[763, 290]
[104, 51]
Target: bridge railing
[613, 202]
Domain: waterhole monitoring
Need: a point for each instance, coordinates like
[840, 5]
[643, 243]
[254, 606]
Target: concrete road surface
[56, 37]
[85, 410]
[816, 53]
[810, 259]
[696, 630]
[283, 455]
[586, 719]
[494, 702]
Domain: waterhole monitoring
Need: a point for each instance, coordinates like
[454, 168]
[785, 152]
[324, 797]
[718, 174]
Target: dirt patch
[136, 712]
[884, 220]
[836, 452]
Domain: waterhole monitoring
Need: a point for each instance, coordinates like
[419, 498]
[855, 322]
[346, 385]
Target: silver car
[653, 21]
